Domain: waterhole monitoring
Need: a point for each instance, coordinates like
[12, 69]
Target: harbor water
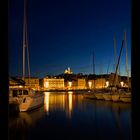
[68, 116]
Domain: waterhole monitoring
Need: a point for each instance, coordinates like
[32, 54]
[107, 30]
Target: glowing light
[106, 83]
[46, 84]
[90, 84]
[70, 103]
[70, 92]
[46, 101]
[122, 84]
[20, 86]
[70, 84]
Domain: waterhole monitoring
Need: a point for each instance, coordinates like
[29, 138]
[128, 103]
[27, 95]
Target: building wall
[33, 82]
[72, 86]
[81, 84]
[98, 83]
[53, 83]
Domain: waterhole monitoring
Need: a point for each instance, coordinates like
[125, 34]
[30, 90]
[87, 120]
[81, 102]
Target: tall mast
[25, 44]
[115, 61]
[118, 62]
[127, 71]
[94, 67]
[93, 63]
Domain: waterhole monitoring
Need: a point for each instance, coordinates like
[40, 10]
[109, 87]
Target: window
[20, 92]
[14, 93]
[25, 92]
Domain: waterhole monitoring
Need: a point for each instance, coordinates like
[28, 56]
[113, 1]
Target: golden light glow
[89, 84]
[70, 92]
[122, 84]
[46, 84]
[70, 84]
[46, 101]
[70, 103]
[106, 84]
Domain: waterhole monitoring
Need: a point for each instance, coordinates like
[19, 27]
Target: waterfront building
[15, 82]
[81, 83]
[71, 84]
[52, 83]
[32, 82]
[100, 83]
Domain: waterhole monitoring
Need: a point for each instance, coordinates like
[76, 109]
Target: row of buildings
[69, 81]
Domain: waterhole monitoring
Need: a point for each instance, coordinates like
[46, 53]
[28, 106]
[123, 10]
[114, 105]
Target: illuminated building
[68, 71]
[81, 83]
[33, 82]
[53, 83]
[98, 83]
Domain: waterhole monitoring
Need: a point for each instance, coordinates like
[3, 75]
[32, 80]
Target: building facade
[53, 83]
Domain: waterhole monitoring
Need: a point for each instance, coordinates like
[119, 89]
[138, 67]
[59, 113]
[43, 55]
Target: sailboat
[108, 96]
[25, 98]
[114, 95]
[97, 93]
[126, 96]
[90, 94]
[122, 95]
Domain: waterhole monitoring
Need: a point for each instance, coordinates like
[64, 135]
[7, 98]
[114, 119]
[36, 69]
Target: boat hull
[107, 97]
[31, 103]
[115, 97]
[89, 96]
[99, 96]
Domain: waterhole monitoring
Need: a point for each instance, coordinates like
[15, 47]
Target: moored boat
[125, 97]
[89, 96]
[26, 99]
[99, 96]
[115, 97]
[107, 96]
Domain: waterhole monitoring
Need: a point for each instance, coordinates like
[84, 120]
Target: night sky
[64, 33]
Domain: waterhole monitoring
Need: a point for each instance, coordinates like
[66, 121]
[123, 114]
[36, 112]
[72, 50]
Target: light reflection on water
[71, 114]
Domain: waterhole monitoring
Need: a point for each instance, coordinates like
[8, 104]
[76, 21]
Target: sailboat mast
[118, 62]
[127, 71]
[24, 42]
[93, 63]
[94, 67]
[25, 45]
[116, 78]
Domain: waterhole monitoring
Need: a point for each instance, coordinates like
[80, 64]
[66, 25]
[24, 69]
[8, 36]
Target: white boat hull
[31, 102]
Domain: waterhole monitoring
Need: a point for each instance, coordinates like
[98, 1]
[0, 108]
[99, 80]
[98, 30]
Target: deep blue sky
[64, 34]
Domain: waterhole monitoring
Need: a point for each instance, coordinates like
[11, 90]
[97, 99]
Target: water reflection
[61, 102]
[19, 126]
[46, 102]
[73, 115]
[69, 103]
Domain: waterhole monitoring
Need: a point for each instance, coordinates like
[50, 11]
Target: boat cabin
[17, 92]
